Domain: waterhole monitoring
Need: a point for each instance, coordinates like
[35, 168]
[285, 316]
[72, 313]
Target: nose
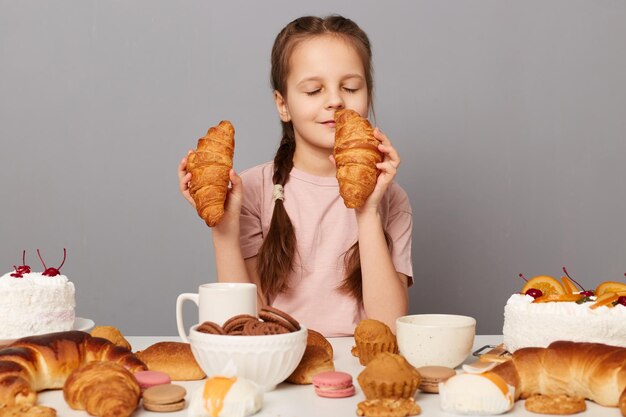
[334, 100]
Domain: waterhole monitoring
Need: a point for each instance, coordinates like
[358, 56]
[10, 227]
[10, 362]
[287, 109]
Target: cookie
[237, 323]
[210, 328]
[432, 376]
[333, 384]
[249, 328]
[147, 379]
[388, 407]
[557, 404]
[164, 398]
[24, 410]
[275, 315]
[268, 328]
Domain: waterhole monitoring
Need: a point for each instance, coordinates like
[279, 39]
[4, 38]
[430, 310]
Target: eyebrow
[316, 78]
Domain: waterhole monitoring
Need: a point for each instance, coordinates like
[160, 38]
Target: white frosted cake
[529, 324]
[33, 303]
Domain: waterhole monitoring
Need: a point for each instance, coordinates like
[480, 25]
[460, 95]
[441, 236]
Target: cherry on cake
[546, 311]
[35, 302]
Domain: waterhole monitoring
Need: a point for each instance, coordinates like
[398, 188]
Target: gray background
[509, 116]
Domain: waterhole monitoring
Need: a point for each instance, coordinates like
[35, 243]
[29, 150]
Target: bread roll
[314, 361]
[209, 165]
[112, 334]
[356, 155]
[173, 358]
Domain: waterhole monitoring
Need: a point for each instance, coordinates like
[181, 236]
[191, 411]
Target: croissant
[103, 389]
[35, 363]
[356, 155]
[209, 165]
[590, 370]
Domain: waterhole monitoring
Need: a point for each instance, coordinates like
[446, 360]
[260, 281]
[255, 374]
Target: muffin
[373, 337]
[389, 375]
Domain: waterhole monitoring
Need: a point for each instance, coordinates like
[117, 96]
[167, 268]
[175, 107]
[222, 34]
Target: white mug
[217, 302]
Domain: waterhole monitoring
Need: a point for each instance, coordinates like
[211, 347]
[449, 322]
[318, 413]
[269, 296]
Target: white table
[289, 400]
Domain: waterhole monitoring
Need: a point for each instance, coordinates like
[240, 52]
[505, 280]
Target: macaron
[333, 384]
[149, 379]
[432, 376]
[164, 398]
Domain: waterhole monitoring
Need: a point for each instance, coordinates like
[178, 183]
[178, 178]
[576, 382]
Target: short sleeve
[399, 227]
[250, 220]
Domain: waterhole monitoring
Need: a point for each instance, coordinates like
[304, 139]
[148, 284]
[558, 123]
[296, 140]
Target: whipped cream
[529, 324]
[35, 304]
[242, 398]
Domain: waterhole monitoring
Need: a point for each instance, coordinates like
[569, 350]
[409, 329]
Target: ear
[281, 106]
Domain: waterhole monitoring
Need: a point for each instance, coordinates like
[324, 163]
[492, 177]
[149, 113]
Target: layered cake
[35, 302]
[546, 311]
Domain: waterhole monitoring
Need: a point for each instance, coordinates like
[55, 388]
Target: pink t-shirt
[325, 229]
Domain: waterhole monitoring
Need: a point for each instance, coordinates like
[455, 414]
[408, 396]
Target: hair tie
[278, 193]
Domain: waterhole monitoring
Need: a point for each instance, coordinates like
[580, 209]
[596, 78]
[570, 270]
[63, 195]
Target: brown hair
[277, 253]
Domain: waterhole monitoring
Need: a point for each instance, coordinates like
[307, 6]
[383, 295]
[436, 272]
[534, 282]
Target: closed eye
[350, 90]
[312, 93]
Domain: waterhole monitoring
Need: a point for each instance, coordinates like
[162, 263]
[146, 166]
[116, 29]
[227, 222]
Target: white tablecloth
[289, 400]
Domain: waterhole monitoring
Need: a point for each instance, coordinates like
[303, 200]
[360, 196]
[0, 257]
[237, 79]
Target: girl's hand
[183, 180]
[232, 207]
[388, 169]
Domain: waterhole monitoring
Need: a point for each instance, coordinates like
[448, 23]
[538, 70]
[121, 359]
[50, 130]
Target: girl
[286, 228]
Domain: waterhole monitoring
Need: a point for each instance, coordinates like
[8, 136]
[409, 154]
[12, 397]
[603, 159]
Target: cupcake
[373, 337]
[389, 376]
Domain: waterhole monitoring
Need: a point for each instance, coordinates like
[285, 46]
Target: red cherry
[17, 273]
[534, 293]
[588, 293]
[52, 272]
[23, 269]
[622, 300]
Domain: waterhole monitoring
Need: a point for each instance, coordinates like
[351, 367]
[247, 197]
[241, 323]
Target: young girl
[286, 228]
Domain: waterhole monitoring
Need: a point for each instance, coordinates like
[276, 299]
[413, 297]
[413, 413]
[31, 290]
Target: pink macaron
[333, 384]
[149, 379]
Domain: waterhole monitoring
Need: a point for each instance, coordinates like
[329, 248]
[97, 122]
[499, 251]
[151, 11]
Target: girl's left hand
[388, 169]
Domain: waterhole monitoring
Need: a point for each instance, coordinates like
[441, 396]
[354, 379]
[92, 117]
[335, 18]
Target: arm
[385, 292]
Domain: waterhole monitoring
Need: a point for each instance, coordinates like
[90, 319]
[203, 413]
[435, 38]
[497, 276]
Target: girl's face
[325, 74]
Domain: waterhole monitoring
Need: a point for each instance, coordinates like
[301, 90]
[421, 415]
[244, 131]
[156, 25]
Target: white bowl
[435, 339]
[267, 360]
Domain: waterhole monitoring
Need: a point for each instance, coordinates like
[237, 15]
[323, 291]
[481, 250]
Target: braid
[276, 255]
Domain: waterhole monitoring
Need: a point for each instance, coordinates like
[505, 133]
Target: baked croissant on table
[36, 363]
[103, 389]
[209, 165]
[590, 370]
[356, 155]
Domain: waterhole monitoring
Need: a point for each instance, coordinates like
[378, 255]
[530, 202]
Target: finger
[184, 182]
[235, 180]
[331, 157]
[378, 134]
[387, 168]
[390, 154]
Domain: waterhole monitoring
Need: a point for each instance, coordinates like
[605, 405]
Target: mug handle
[179, 312]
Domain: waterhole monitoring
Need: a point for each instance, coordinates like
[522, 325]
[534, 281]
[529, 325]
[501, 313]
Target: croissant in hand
[590, 370]
[103, 389]
[356, 155]
[36, 363]
[209, 165]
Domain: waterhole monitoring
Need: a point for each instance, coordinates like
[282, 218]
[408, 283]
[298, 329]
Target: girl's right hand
[232, 207]
[183, 179]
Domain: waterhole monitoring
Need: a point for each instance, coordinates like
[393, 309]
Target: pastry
[102, 389]
[112, 334]
[315, 338]
[25, 410]
[43, 362]
[432, 376]
[478, 394]
[389, 375]
[164, 398]
[373, 337]
[356, 155]
[333, 384]
[225, 397]
[388, 407]
[589, 370]
[314, 360]
[173, 358]
[210, 165]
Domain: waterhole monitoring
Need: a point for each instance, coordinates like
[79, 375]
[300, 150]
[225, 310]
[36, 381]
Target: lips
[329, 123]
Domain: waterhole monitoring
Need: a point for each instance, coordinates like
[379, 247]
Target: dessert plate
[79, 324]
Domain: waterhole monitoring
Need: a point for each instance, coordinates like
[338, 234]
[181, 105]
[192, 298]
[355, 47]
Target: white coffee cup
[217, 302]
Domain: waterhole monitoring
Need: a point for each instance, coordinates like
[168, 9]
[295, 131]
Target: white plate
[79, 324]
